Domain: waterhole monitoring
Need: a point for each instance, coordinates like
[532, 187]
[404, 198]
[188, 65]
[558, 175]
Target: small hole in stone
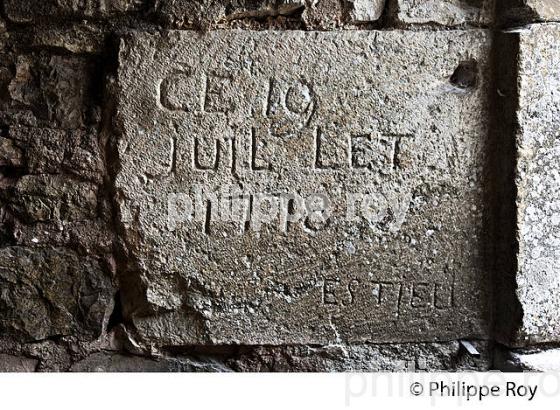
[465, 75]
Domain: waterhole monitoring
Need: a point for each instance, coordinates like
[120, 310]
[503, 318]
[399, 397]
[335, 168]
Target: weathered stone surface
[446, 12]
[41, 198]
[368, 358]
[3, 33]
[400, 254]
[547, 360]
[10, 154]
[318, 14]
[324, 14]
[89, 236]
[19, 364]
[538, 185]
[53, 356]
[524, 11]
[251, 8]
[115, 362]
[545, 9]
[181, 13]
[85, 37]
[365, 10]
[50, 89]
[339, 358]
[25, 11]
[52, 151]
[52, 292]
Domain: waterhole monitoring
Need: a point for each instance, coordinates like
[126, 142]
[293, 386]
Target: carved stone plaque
[304, 187]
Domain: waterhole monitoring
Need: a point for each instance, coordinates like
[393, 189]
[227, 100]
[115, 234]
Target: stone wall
[407, 148]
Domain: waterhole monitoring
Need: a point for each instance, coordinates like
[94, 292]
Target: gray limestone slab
[538, 184]
[304, 187]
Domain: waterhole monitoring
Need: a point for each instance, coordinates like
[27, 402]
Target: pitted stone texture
[365, 10]
[538, 184]
[52, 292]
[324, 14]
[26, 11]
[445, 12]
[304, 113]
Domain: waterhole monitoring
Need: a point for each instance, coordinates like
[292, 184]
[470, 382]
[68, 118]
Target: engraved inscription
[385, 294]
[340, 194]
[178, 92]
[260, 152]
[379, 152]
[219, 95]
[290, 104]
[330, 150]
[207, 153]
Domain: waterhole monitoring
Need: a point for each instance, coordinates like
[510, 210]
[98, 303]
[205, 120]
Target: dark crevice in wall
[507, 309]
[116, 317]
[108, 143]
[3, 11]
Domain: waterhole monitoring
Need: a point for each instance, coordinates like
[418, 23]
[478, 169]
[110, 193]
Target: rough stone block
[545, 9]
[67, 85]
[362, 11]
[324, 14]
[16, 364]
[52, 292]
[252, 8]
[90, 236]
[445, 12]
[83, 37]
[314, 13]
[56, 89]
[525, 11]
[52, 151]
[54, 198]
[26, 11]
[336, 183]
[537, 180]
[10, 155]
[188, 13]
